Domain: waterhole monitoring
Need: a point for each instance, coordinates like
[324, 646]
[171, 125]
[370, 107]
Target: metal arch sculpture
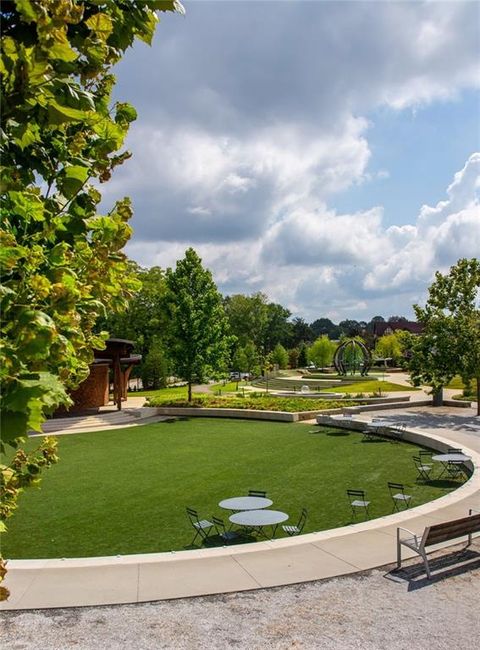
[340, 361]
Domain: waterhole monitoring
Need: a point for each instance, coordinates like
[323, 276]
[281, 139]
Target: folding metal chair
[422, 468]
[397, 432]
[426, 455]
[452, 468]
[202, 526]
[226, 535]
[455, 469]
[356, 499]
[397, 492]
[371, 433]
[296, 530]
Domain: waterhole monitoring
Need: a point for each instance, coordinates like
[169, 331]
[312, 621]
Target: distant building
[384, 329]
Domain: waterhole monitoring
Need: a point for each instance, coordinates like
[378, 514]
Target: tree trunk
[438, 397]
[478, 395]
[189, 391]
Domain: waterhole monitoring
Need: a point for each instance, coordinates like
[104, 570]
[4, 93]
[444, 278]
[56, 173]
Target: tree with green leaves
[199, 340]
[279, 356]
[145, 318]
[248, 317]
[240, 361]
[154, 370]
[302, 356]
[450, 342]
[277, 328]
[389, 346]
[293, 355]
[301, 333]
[61, 262]
[323, 326]
[253, 359]
[321, 352]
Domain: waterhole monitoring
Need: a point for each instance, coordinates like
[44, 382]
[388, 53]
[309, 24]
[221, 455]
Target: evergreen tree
[302, 356]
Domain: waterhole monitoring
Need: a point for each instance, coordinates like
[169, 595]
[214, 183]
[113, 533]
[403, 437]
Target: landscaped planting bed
[125, 491]
[259, 402]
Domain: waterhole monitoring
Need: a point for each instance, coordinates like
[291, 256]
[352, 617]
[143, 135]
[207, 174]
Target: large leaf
[73, 179]
[60, 47]
[28, 401]
[101, 25]
[59, 113]
[27, 204]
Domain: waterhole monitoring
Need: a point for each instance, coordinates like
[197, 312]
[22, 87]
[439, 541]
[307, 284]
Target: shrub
[260, 402]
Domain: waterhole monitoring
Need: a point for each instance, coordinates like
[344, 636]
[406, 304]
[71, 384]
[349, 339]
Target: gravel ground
[370, 611]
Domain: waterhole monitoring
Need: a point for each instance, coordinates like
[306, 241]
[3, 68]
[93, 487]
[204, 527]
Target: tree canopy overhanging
[62, 264]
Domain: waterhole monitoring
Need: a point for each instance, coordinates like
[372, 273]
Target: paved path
[137, 578]
[364, 611]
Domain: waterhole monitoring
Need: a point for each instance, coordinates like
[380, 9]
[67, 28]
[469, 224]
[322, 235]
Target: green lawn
[125, 491]
[456, 383]
[370, 387]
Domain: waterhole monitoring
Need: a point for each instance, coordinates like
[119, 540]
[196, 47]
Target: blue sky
[421, 149]
[324, 153]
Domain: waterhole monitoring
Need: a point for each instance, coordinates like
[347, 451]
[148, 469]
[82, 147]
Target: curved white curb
[156, 576]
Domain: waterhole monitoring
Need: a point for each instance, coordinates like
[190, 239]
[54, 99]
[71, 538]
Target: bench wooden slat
[451, 529]
[436, 534]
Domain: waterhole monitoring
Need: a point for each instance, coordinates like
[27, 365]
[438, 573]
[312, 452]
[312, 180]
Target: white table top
[258, 517]
[245, 503]
[445, 458]
[379, 423]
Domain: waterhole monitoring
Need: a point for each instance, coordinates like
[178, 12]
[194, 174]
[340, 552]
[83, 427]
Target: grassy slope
[371, 386]
[125, 491]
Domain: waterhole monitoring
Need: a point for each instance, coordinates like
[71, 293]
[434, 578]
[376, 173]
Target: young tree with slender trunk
[198, 330]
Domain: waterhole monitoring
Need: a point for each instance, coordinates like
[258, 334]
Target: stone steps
[108, 420]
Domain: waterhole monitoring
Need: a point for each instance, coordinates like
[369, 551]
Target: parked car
[237, 376]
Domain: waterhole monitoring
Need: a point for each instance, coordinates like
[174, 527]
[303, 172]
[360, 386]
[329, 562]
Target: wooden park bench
[437, 534]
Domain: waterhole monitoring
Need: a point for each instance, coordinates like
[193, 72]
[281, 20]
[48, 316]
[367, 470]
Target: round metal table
[449, 461]
[451, 458]
[257, 519]
[245, 503]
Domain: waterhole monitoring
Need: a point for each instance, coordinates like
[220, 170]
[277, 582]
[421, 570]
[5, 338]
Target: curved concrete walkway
[140, 578]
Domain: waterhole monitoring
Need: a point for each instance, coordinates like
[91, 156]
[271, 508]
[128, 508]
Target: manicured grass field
[370, 387]
[125, 491]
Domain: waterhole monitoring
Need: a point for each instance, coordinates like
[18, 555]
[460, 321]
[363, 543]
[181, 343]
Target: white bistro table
[451, 458]
[454, 458]
[245, 503]
[257, 519]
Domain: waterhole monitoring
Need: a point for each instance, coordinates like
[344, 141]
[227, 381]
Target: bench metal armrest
[399, 528]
